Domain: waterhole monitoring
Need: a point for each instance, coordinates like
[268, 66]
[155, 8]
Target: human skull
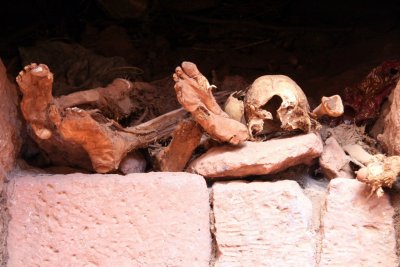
[292, 112]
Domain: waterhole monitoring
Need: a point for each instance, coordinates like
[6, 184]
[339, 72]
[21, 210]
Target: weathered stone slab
[333, 161]
[153, 219]
[257, 158]
[357, 231]
[263, 224]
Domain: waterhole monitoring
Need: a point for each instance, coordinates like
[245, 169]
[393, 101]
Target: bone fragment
[331, 106]
[235, 108]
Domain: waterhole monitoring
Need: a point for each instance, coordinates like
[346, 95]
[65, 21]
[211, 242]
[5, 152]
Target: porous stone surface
[390, 137]
[152, 219]
[333, 161]
[262, 224]
[357, 230]
[257, 158]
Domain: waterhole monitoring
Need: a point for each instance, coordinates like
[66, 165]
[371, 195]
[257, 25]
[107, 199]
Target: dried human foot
[36, 83]
[194, 93]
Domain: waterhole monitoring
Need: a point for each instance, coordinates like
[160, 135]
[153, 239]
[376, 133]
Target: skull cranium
[292, 113]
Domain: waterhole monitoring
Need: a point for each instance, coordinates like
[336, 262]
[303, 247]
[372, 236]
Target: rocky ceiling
[323, 45]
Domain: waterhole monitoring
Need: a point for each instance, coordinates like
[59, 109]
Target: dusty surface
[390, 137]
[256, 158]
[154, 219]
[316, 192]
[333, 160]
[263, 224]
[357, 231]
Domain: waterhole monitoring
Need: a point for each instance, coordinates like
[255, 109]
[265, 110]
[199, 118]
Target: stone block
[152, 219]
[263, 224]
[357, 231]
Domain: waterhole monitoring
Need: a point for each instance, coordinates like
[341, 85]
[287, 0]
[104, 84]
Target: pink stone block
[257, 158]
[357, 231]
[263, 224]
[153, 219]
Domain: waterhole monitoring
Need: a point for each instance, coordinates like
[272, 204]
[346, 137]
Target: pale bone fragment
[235, 108]
[194, 93]
[357, 154]
[293, 112]
[331, 106]
[378, 170]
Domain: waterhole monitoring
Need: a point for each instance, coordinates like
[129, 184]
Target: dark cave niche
[323, 46]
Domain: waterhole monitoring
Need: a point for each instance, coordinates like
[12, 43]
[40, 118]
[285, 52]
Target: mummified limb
[185, 139]
[376, 171]
[195, 94]
[380, 172]
[72, 135]
[113, 100]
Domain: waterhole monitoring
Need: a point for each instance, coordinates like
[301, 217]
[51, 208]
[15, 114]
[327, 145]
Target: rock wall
[162, 219]
[390, 137]
[9, 146]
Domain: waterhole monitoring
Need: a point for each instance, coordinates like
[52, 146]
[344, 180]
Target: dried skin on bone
[72, 136]
[381, 171]
[194, 93]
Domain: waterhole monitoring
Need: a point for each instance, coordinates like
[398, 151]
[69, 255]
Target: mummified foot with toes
[69, 135]
[194, 93]
[36, 83]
